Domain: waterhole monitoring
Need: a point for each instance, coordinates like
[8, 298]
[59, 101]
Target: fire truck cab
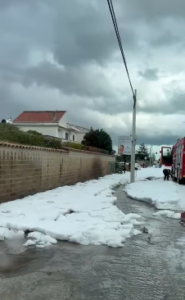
[178, 161]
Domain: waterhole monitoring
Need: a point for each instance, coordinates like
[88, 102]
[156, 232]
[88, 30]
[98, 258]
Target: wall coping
[85, 151]
[63, 150]
[20, 146]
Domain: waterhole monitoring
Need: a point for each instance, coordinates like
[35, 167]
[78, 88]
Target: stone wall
[28, 170]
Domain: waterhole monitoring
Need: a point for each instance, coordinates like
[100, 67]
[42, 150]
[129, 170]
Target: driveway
[141, 270]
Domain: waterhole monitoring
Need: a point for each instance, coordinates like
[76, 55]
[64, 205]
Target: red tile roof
[39, 117]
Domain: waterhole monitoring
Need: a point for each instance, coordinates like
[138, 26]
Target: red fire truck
[166, 156]
[178, 161]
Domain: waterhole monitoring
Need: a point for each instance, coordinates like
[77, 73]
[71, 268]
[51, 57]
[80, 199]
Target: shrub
[98, 138]
[52, 143]
[83, 147]
[49, 142]
[34, 132]
[9, 127]
[11, 133]
[94, 149]
[73, 145]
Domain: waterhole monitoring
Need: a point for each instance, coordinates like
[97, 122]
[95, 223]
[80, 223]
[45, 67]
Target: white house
[50, 123]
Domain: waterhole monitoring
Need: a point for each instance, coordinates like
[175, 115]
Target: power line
[113, 16]
[111, 8]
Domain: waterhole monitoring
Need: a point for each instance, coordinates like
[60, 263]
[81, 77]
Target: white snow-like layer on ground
[164, 195]
[144, 173]
[39, 240]
[96, 220]
[168, 214]
[42, 238]
[6, 233]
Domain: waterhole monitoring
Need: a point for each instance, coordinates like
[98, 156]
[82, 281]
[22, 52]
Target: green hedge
[94, 149]
[11, 133]
[83, 147]
[73, 145]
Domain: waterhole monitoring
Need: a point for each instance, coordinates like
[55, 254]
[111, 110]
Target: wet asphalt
[141, 270]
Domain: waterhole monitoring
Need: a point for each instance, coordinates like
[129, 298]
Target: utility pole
[132, 173]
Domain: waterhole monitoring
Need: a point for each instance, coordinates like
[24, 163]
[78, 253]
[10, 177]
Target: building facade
[51, 123]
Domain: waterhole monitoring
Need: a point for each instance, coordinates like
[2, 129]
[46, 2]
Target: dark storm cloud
[6, 100]
[90, 83]
[155, 10]
[82, 31]
[22, 31]
[166, 38]
[174, 103]
[79, 81]
[164, 21]
[149, 74]
[85, 82]
[160, 139]
[90, 35]
[8, 3]
[80, 35]
[76, 31]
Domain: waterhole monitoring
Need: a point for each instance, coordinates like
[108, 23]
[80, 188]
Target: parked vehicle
[166, 156]
[178, 161]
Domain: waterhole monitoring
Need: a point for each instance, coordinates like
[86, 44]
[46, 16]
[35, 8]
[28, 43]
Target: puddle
[16, 260]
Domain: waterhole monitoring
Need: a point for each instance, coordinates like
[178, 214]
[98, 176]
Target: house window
[73, 137]
[66, 136]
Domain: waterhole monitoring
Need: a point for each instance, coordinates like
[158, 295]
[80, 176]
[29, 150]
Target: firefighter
[167, 174]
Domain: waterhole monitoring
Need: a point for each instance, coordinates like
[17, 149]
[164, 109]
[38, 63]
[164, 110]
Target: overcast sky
[59, 54]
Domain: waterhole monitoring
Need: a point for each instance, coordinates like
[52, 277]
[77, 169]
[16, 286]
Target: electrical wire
[113, 16]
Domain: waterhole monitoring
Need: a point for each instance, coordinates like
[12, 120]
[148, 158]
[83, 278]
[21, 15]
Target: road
[138, 271]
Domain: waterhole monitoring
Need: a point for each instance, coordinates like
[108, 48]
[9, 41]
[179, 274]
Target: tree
[142, 152]
[153, 158]
[98, 138]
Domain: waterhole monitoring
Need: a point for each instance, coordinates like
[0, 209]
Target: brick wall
[27, 170]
